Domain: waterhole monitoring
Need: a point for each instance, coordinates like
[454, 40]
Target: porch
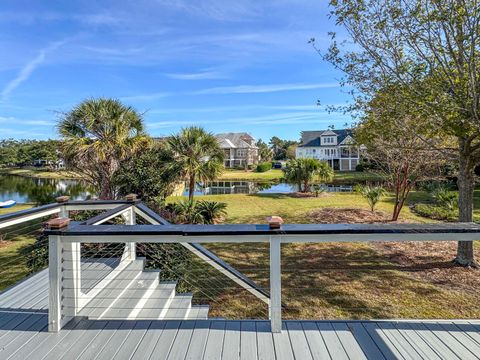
[24, 335]
[98, 306]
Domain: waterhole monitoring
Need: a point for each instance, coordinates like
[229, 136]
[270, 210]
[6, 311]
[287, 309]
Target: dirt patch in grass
[432, 261]
[347, 216]
[4, 243]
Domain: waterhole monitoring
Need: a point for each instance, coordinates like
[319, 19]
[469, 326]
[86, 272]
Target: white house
[334, 146]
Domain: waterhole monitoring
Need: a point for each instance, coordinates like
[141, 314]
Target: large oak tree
[431, 48]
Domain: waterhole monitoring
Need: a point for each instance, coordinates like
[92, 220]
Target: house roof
[312, 138]
[236, 140]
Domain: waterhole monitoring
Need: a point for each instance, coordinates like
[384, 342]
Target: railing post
[130, 219]
[55, 283]
[275, 307]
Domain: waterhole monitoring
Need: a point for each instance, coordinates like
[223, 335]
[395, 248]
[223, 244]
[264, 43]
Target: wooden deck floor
[23, 335]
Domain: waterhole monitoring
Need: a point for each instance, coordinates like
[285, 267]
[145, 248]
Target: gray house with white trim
[239, 148]
[337, 147]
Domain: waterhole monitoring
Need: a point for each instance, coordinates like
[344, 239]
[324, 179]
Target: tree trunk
[465, 182]
[305, 186]
[191, 187]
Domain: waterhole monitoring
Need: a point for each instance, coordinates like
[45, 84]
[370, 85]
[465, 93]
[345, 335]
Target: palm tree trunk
[191, 187]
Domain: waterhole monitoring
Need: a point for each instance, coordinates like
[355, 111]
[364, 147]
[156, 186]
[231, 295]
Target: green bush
[263, 167]
[196, 212]
[436, 212]
[372, 194]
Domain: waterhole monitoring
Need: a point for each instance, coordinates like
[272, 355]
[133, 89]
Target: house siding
[333, 146]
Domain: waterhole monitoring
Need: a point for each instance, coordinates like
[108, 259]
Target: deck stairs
[138, 294]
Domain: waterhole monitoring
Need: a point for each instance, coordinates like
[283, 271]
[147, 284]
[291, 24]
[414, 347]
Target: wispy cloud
[28, 69]
[254, 89]
[202, 75]
[34, 122]
[145, 97]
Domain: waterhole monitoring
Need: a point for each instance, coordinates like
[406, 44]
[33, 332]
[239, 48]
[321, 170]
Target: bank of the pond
[340, 177]
[40, 173]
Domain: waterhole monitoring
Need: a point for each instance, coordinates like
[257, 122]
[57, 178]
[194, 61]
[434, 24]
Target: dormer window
[331, 140]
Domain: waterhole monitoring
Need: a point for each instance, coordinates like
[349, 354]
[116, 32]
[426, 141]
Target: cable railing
[122, 261]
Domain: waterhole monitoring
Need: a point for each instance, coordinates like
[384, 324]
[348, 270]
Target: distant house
[240, 149]
[337, 147]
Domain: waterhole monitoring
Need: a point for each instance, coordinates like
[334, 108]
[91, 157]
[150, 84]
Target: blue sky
[241, 65]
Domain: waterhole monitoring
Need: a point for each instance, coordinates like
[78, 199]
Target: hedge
[263, 167]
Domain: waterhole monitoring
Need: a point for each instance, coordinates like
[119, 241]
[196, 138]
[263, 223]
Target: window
[241, 153]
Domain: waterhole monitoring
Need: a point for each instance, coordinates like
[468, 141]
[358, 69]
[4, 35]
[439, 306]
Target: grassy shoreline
[41, 173]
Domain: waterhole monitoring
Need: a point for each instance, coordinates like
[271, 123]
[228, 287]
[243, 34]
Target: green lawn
[255, 208]
[12, 263]
[338, 280]
[17, 207]
[271, 175]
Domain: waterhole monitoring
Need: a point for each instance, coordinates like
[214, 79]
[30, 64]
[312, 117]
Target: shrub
[445, 198]
[197, 212]
[263, 167]
[372, 194]
[317, 189]
[436, 212]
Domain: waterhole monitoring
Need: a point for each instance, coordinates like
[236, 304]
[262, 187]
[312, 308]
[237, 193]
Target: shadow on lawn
[345, 281]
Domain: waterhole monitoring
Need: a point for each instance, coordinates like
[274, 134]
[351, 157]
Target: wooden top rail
[262, 233]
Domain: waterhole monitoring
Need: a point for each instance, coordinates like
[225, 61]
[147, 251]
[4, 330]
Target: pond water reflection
[40, 191]
[251, 187]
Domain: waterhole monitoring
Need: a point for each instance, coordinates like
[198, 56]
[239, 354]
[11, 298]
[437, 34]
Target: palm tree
[303, 172]
[98, 134]
[199, 155]
[372, 194]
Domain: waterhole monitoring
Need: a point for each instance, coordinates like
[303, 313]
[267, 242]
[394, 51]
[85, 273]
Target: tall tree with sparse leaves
[430, 48]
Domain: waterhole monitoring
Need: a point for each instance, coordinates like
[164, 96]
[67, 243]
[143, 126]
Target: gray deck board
[23, 335]
[198, 340]
[315, 341]
[368, 346]
[301, 349]
[165, 341]
[131, 343]
[231, 341]
[116, 341]
[149, 340]
[351, 346]
[266, 349]
[248, 340]
[283, 349]
[182, 340]
[332, 341]
[391, 342]
[214, 345]
[98, 343]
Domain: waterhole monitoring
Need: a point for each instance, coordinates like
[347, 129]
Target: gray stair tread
[156, 306]
[131, 298]
[105, 297]
[179, 307]
[198, 312]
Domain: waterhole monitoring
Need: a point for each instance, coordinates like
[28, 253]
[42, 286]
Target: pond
[40, 191]
[43, 191]
[252, 187]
